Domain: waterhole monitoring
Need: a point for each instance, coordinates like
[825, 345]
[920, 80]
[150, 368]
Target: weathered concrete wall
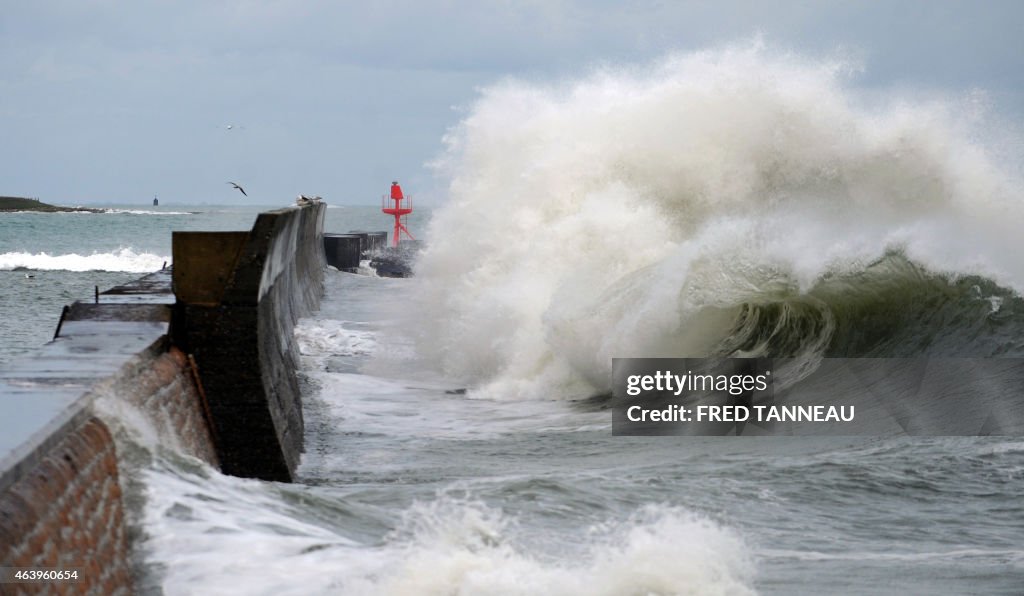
[238, 324]
[370, 242]
[343, 251]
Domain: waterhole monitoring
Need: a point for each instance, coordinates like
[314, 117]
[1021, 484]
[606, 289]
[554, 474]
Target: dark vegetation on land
[23, 204]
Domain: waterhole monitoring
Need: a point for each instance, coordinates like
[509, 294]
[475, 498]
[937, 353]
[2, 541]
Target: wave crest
[642, 214]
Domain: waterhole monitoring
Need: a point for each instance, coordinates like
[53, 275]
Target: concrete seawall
[239, 296]
[213, 367]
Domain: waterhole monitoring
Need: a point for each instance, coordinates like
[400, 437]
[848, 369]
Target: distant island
[9, 204]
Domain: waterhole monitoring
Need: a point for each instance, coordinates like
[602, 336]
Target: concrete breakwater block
[238, 298]
[371, 242]
[343, 251]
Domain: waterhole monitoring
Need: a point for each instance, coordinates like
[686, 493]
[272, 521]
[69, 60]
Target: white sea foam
[429, 408]
[215, 534]
[221, 535]
[466, 548]
[629, 213]
[123, 259]
[324, 337]
[146, 212]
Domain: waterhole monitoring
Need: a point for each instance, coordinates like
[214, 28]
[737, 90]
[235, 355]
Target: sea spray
[641, 213]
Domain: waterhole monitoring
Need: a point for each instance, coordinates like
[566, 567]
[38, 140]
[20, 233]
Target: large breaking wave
[737, 201]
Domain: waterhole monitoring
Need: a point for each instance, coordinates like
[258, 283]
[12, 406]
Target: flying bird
[240, 189]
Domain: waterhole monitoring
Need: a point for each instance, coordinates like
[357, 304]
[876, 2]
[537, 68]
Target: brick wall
[164, 388]
[67, 512]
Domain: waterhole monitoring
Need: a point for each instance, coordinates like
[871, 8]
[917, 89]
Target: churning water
[732, 202]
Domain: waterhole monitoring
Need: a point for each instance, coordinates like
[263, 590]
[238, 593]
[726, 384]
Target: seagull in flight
[240, 189]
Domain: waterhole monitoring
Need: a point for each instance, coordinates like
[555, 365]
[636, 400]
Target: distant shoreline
[14, 204]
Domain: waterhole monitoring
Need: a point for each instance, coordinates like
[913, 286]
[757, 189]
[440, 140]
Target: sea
[727, 202]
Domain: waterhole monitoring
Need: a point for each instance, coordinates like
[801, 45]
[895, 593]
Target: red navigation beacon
[399, 211]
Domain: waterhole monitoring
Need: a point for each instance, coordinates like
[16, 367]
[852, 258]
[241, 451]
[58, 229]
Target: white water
[628, 213]
[415, 531]
[601, 248]
[409, 488]
[446, 546]
[147, 212]
[123, 259]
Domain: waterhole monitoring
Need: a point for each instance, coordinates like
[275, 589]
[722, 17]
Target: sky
[118, 102]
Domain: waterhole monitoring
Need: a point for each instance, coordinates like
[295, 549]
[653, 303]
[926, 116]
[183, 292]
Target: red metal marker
[398, 211]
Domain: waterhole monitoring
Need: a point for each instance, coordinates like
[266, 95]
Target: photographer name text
[740, 413]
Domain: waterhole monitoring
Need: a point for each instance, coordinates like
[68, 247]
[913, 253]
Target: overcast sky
[115, 102]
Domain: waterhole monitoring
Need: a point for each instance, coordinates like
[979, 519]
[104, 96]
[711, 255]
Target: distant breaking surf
[124, 259]
[146, 212]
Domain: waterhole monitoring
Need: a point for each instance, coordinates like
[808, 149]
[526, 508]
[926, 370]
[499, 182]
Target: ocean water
[48, 260]
[732, 202]
[410, 486]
